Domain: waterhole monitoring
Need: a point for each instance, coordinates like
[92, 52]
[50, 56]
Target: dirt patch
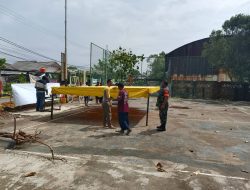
[179, 107]
[215, 139]
[4, 115]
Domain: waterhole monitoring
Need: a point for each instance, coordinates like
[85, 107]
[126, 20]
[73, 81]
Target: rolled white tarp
[25, 94]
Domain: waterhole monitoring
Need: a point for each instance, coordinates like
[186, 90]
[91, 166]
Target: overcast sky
[144, 26]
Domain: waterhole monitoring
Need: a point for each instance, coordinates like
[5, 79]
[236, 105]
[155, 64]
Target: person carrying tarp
[86, 98]
[123, 109]
[106, 105]
[97, 98]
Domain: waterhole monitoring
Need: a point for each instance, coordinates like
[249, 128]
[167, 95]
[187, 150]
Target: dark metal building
[186, 62]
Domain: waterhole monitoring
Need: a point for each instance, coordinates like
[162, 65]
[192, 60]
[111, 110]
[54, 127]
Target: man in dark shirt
[123, 109]
[41, 88]
[97, 98]
[86, 98]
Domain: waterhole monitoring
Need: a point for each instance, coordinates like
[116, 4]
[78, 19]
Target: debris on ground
[4, 115]
[190, 150]
[197, 172]
[179, 107]
[159, 167]
[30, 174]
[216, 131]
[244, 171]
[8, 105]
[182, 114]
[21, 137]
[246, 141]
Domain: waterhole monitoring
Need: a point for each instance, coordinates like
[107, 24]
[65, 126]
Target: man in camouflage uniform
[162, 104]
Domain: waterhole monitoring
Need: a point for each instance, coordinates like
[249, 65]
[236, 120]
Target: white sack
[25, 94]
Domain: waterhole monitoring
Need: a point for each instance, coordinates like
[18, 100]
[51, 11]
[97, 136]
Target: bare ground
[205, 147]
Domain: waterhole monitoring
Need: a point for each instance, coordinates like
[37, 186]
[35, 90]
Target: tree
[229, 48]
[124, 63]
[157, 65]
[2, 63]
[102, 70]
[22, 78]
[72, 67]
[118, 65]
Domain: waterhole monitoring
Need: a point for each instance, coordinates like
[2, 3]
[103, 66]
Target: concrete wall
[211, 90]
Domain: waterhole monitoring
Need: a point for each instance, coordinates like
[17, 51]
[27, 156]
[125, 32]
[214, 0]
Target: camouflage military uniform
[164, 92]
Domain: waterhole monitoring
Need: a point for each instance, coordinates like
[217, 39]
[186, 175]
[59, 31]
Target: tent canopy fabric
[133, 91]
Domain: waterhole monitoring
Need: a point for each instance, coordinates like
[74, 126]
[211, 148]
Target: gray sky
[144, 26]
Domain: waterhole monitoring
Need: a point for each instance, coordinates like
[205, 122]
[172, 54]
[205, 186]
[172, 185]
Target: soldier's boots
[161, 127]
[158, 126]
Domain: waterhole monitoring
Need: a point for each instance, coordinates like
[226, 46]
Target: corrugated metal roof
[191, 49]
[9, 67]
[51, 67]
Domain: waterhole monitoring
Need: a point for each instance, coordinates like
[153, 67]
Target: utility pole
[141, 69]
[65, 50]
[106, 63]
[90, 64]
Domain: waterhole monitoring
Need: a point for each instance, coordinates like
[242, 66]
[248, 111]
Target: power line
[11, 50]
[26, 49]
[16, 52]
[19, 18]
[13, 55]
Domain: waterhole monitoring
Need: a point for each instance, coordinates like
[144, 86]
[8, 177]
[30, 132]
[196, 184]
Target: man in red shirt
[123, 109]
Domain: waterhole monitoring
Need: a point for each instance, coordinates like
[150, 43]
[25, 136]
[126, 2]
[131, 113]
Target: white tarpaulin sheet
[25, 94]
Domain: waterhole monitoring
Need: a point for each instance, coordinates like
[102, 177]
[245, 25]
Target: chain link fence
[151, 72]
[98, 64]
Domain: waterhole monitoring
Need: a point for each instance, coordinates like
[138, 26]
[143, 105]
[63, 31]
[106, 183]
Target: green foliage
[229, 48]
[7, 88]
[22, 78]
[118, 65]
[157, 65]
[102, 69]
[124, 63]
[135, 73]
[72, 68]
[2, 63]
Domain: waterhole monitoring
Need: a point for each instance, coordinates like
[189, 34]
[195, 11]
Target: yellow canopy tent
[133, 92]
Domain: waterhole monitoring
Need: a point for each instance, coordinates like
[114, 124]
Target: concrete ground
[4, 99]
[206, 146]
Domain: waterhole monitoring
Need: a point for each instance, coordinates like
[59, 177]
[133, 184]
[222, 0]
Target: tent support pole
[147, 110]
[52, 107]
